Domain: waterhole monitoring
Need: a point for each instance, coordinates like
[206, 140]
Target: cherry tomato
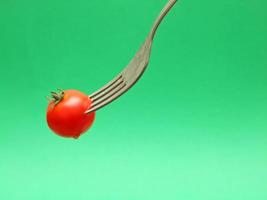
[66, 113]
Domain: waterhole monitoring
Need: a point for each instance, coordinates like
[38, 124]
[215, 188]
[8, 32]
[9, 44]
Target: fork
[132, 72]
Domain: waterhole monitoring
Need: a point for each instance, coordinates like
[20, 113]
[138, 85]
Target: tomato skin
[67, 118]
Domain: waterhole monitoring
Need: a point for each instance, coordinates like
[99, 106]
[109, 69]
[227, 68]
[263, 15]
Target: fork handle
[162, 14]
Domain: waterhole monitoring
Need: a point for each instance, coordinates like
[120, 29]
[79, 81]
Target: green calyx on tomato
[56, 97]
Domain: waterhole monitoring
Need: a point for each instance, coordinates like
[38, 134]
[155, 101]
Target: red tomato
[66, 113]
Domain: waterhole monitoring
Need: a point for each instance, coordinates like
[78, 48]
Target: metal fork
[131, 73]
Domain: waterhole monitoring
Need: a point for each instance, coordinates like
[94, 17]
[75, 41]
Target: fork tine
[110, 94]
[107, 86]
[103, 101]
[109, 89]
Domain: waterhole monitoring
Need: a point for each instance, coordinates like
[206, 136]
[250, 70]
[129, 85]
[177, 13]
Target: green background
[193, 128]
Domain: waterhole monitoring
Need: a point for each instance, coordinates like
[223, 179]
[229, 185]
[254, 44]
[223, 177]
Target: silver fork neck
[159, 19]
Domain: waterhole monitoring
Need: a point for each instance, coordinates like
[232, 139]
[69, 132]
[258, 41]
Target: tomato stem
[56, 97]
